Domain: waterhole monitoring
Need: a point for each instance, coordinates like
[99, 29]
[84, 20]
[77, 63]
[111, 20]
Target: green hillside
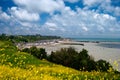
[16, 65]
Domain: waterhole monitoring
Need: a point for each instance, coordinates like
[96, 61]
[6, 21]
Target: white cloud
[90, 3]
[51, 26]
[24, 15]
[102, 5]
[100, 28]
[4, 15]
[117, 11]
[72, 1]
[95, 2]
[110, 9]
[85, 28]
[48, 6]
[83, 22]
[26, 24]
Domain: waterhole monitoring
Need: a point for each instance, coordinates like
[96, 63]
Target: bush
[81, 61]
[37, 52]
[26, 50]
[86, 62]
[71, 58]
[103, 65]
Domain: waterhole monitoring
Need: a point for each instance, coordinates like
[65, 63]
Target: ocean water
[97, 39]
[110, 45]
[104, 42]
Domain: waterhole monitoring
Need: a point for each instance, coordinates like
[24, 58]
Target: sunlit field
[16, 65]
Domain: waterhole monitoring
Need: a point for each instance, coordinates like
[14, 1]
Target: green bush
[71, 58]
[78, 60]
[103, 65]
[37, 52]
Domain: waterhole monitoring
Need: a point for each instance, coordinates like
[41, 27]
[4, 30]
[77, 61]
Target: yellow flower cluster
[55, 72]
[2, 49]
[16, 67]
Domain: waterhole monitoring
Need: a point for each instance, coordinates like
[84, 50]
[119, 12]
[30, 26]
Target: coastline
[111, 55]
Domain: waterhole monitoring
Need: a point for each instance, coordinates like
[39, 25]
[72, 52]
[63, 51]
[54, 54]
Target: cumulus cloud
[72, 1]
[4, 15]
[48, 6]
[51, 26]
[85, 28]
[25, 18]
[104, 6]
[91, 3]
[84, 22]
[108, 8]
[18, 21]
[23, 14]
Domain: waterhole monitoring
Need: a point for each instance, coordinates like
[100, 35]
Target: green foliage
[26, 38]
[37, 52]
[78, 60]
[103, 65]
[9, 55]
[71, 58]
[26, 50]
[65, 56]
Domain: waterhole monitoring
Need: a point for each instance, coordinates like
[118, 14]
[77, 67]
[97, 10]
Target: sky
[66, 18]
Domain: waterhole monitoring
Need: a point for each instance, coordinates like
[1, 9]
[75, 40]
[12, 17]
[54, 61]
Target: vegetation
[16, 65]
[37, 52]
[26, 38]
[78, 60]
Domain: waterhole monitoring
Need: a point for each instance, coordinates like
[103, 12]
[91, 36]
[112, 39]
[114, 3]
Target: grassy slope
[20, 65]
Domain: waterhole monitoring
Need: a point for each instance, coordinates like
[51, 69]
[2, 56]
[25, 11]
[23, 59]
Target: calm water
[110, 45]
[104, 42]
[97, 39]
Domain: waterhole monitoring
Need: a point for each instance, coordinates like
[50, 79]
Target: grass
[16, 65]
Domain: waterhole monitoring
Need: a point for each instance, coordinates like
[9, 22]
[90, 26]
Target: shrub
[65, 56]
[81, 61]
[37, 52]
[71, 58]
[103, 65]
[42, 53]
[26, 50]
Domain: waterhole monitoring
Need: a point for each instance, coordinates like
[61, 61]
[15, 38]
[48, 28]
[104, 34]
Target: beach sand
[111, 55]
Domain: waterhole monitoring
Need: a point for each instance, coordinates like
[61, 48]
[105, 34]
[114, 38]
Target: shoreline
[111, 55]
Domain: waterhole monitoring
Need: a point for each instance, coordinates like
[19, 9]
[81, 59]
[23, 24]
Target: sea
[104, 42]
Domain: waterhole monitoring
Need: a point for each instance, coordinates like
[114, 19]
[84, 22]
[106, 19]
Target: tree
[65, 56]
[37, 52]
[42, 53]
[71, 58]
[81, 61]
[26, 50]
[34, 51]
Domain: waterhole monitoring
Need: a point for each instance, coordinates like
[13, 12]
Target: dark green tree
[42, 53]
[26, 50]
[37, 52]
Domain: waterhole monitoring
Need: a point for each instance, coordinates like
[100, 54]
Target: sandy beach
[98, 52]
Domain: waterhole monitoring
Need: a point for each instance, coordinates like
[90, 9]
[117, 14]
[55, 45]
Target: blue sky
[67, 18]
